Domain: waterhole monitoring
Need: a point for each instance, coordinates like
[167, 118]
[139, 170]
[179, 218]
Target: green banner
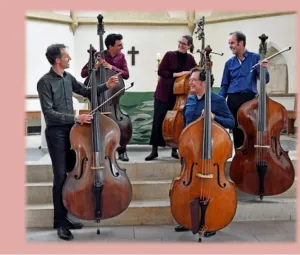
[139, 106]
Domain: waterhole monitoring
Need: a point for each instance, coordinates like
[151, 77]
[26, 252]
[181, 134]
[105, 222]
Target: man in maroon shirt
[114, 60]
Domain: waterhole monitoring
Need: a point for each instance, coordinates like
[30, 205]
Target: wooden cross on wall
[133, 52]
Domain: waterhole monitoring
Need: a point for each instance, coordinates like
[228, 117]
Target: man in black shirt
[55, 90]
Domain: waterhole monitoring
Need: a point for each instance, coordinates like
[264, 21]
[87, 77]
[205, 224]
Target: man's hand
[112, 81]
[84, 118]
[264, 63]
[212, 115]
[103, 63]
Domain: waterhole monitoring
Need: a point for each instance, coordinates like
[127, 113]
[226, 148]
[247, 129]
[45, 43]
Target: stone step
[41, 193]
[135, 169]
[159, 212]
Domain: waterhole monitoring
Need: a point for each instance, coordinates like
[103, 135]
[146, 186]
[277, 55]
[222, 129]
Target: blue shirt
[194, 106]
[238, 78]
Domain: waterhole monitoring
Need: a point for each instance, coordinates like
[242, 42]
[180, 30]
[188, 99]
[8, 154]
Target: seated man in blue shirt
[238, 83]
[194, 108]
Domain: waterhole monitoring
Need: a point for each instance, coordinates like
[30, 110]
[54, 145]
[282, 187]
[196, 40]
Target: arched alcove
[278, 70]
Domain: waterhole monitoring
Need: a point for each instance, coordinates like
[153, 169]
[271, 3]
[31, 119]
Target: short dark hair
[240, 37]
[190, 42]
[202, 75]
[111, 39]
[54, 52]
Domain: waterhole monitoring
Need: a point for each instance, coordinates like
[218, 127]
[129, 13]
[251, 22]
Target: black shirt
[55, 93]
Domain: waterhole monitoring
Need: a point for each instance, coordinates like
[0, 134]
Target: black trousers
[63, 161]
[234, 102]
[160, 111]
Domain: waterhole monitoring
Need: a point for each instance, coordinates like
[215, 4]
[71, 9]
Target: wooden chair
[292, 115]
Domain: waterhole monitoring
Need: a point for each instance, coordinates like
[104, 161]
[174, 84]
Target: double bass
[260, 166]
[112, 109]
[201, 197]
[173, 121]
[97, 188]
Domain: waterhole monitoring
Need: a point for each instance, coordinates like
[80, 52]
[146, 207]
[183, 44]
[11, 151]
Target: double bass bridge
[205, 176]
[97, 167]
[262, 146]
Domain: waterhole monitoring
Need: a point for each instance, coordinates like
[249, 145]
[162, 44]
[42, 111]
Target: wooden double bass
[173, 122]
[112, 109]
[97, 188]
[261, 166]
[201, 197]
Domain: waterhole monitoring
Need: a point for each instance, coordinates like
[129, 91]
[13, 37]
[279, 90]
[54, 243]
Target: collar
[55, 74]
[196, 97]
[245, 55]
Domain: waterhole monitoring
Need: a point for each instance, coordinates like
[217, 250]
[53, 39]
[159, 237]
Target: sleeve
[223, 115]
[85, 71]
[225, 82]
[193, 62]
[163, 67]
[46, 101]
[258, 71]
[84, 91]
[189, 109]
[124, 71]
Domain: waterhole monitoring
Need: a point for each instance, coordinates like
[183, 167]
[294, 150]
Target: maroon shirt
[169, 65]
[117, 62]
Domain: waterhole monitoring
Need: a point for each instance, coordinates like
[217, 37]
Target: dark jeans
[63, 161]
[234, 102]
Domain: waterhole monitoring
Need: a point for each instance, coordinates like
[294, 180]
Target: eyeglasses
[192, 80]
[185, 44]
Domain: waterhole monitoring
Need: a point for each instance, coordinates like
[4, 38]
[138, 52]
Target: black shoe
[151, 156]
[209, 234]
[64, 233]
[181, 229]
[174, 154]
[123, 156]
[70, 224]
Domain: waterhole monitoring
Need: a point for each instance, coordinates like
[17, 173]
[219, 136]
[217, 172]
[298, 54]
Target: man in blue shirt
[194, 108]
[238, 83]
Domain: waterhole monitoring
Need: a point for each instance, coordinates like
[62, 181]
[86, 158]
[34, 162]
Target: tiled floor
[253, 232]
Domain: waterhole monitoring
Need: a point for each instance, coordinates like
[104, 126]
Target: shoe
[180, 229]
[123, 156]
[70, 224]
[174, 154]
[64, 233]
[209, 234]
[151, 156]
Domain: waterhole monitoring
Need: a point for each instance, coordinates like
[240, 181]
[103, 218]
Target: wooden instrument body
[280, 174]
[201, 197]
[113, 108]
[218, 191]
[174, 120]
[78, 194]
